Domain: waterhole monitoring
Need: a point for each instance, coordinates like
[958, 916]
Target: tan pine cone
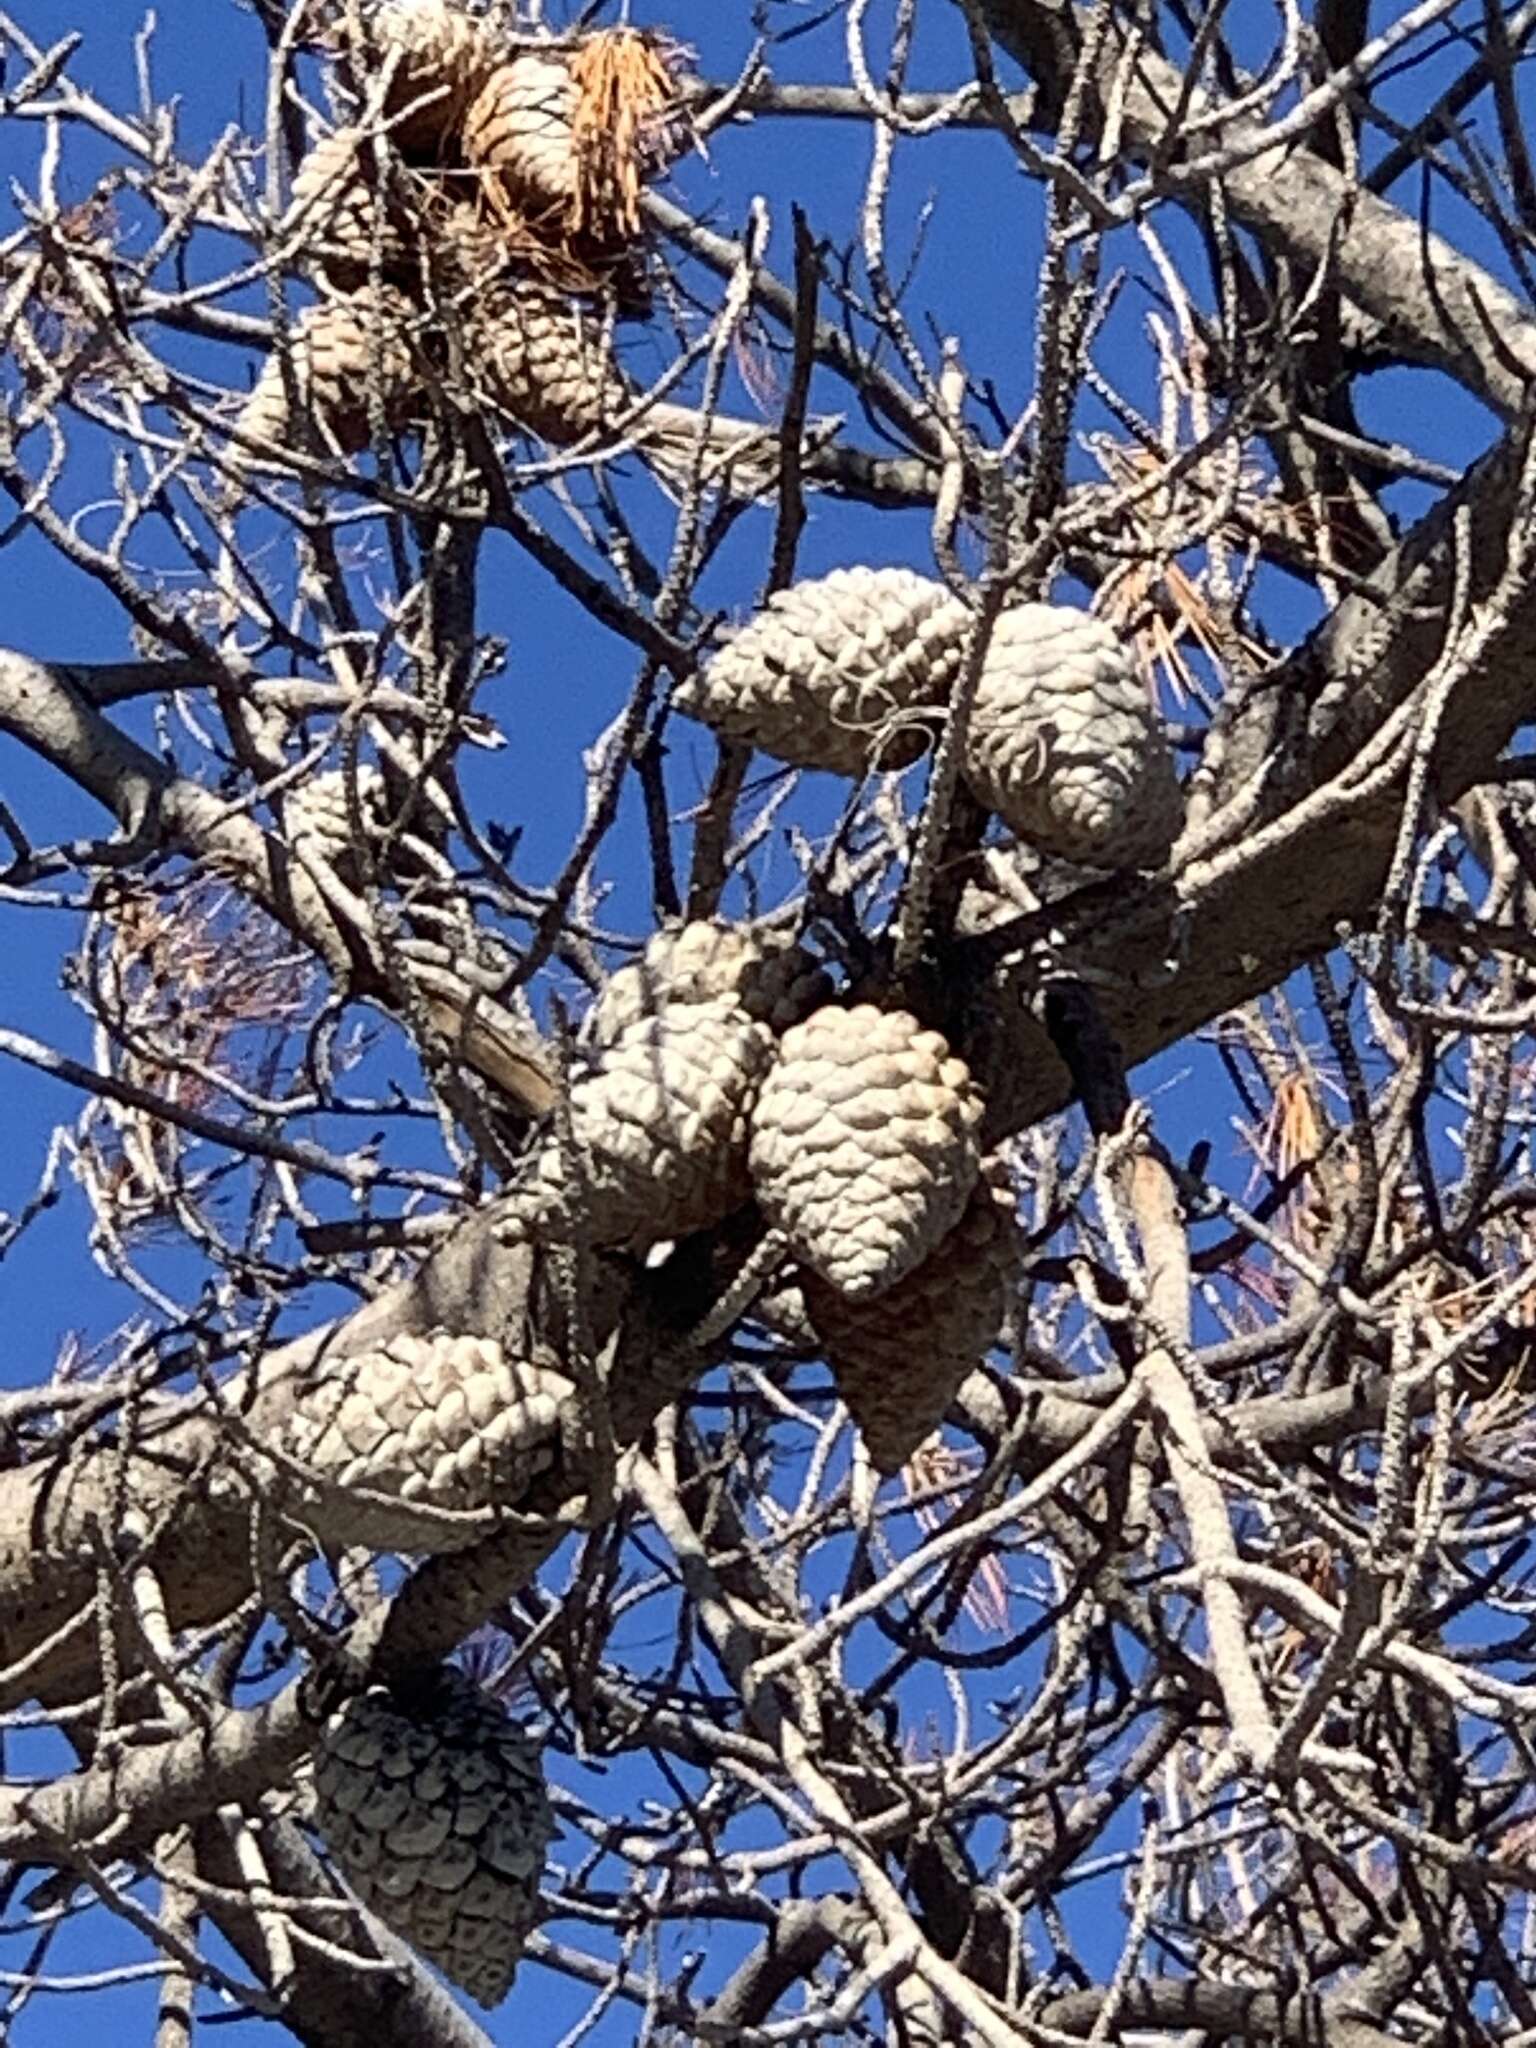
[441, 56]
[864, 1144]
[899, 1359]
[518, 132]
[338, 209]
[1064, 745]
[775, 981]
[439, 1422]
[434, 1810]
[831, 673]
[338, 346]
[542, 359]
[660, 1128]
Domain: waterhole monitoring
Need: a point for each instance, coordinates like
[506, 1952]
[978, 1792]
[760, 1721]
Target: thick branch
[1223, 2009]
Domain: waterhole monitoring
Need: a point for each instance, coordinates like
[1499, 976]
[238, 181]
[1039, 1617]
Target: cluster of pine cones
[849, 672]
[717, 1070]
[474, 215]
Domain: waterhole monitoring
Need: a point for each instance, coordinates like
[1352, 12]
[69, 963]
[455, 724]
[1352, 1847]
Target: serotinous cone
[1064, 744]
[899, 1359]
[659, 1124]
[864, 1144]
[543, 360]
[772, 979]
[677, 1046]
[343, 352]
[518, 134]
[423, 1424]
[836, 673]
[435, 55]
[342, 215]
[562, 136]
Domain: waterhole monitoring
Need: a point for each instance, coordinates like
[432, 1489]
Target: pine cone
[338, 209]
[518, 131]
[1064, 745]
[543, 360]
[660, 1125]
[318, 815]
[441, 53]
[436, 1422]
[774, 981]
[898, 1360]
[864, 1147]
[337, 348]
[434, 1811]
[830, 674]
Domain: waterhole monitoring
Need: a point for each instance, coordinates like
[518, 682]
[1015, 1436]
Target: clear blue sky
[567, 677]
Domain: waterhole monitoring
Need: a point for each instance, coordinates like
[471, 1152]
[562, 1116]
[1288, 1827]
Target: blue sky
[567, 677]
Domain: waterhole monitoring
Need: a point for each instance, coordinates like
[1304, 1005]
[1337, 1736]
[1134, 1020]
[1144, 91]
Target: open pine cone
[864, 1145]
[439, 1422]
[1064, 745]
[835, 673]
[434, 1810]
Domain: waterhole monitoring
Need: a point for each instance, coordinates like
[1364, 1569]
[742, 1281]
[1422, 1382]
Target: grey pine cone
[440, 52]
[432, 1423]
[1064, 745]
[542, 359]
[899, 1359]
[434, 1810]
[835, 673]
[864, 1144]
[318, 812]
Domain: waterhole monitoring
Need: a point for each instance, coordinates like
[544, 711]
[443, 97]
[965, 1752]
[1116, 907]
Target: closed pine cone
[441, 55]
[899, 1359]
[338, 347]
[831, 672]
[864, 1148]
[660, 1127]
[318, 814]
[439, 1422]
[542, 359]
[519, 134]
[434, 1810]
[1064, 745]
[336, 210]
[775, 981]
